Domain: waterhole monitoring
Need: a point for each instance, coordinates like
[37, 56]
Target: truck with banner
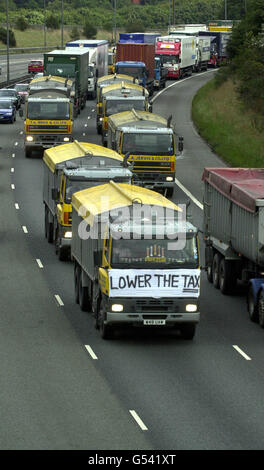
[136, 260]
[70, 168]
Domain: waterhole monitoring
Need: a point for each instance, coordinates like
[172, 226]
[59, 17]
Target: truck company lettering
[181, 282]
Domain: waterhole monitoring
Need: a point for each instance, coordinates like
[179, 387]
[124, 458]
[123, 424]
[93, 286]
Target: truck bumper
[149, 319]
[142, 310]
[154, 183]
[47, 141]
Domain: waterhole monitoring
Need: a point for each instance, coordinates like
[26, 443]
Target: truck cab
[150, 141]
[101, 83]
[122, 97]
[138, 70]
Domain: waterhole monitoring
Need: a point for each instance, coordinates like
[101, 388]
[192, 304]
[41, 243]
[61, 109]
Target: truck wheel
[188, 331]
[209, 273]
[48, 227]
[227, 278]
[252, 308]
[77, 271]
[28, 152]
[84, 299]
[106, 331]
[61, 251]
[215, 270]
[261, 309]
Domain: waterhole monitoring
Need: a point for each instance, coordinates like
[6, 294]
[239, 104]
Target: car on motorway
[7, 110]
[12, 94]
[22, 89]
[35, 66]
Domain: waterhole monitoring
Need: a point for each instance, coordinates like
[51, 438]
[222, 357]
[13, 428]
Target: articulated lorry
[177, 54]
[105, 81]
[70, 168]
[234, 232]
[138, 60]
[120, 97]
[70, 63]
[150, 141]
[48, 115]
[135, 262]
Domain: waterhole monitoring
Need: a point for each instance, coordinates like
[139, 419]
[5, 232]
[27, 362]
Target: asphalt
[203, 394]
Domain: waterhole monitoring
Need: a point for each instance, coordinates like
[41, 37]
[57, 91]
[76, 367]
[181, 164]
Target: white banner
[154, 283]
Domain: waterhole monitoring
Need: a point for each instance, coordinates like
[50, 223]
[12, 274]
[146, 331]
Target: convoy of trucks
[150, 141]
[128, 268]
[218, 50]
[70, 168]
[234, 232]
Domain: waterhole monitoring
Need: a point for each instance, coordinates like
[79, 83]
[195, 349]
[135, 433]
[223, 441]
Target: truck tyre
[84, 299]
[261, 309]
[227, 277]
[48, 227]
[28, 152]
[252, 308]
[209, 273]
[61, 251]
[215, 270]
[188, 331]
[77, 272]
[106, 331]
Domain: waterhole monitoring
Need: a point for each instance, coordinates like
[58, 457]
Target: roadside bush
[53, 22]
[74, 34]
[89, 30]
[12, 38]
[21, 23]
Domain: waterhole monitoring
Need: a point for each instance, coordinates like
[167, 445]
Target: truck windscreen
[148, 144]
[137, 72]
[139, 253]
[48, 110]
[170, 59]
[117, 106]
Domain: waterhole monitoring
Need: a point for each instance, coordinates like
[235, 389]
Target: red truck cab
[35, 66]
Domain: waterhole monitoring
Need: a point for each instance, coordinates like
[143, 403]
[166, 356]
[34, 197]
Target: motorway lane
[191, 395]
[18, 65]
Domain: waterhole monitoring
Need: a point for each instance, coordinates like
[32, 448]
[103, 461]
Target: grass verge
[232, 131]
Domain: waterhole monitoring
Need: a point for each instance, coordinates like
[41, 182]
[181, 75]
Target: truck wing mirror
[125, 161]
[21, 112]
[98, 258]
[55, 194]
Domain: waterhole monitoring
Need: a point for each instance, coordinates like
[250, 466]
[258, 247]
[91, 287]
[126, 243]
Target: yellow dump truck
[122, 97]
[101, 83]
[48, 113]
[69, 168]
[136, 262]
[150, 141]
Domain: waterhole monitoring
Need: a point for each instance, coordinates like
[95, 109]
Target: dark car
[7, 110]
[22, 89]
[12, 94]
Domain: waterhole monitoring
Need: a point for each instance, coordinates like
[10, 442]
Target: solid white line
[24, 228]
[90, 351]
[57, 297]
[138, 420]
[40, 265]
[13, 186]
[198, 203]
[16, 205]
[242, 353]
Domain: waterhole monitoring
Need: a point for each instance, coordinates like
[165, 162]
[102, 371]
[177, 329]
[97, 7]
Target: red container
[137, 52]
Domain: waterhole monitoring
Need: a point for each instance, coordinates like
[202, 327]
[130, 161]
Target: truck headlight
[66, 139]
[29, 138]
[169, 178]
[117, 308]
[68, 235]
[191, 308]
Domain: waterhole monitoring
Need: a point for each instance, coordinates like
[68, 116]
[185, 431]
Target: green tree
[89, 30]
[52, 21]
[21, 23]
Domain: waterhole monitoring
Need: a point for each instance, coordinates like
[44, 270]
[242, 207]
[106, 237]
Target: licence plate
[154, 322]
